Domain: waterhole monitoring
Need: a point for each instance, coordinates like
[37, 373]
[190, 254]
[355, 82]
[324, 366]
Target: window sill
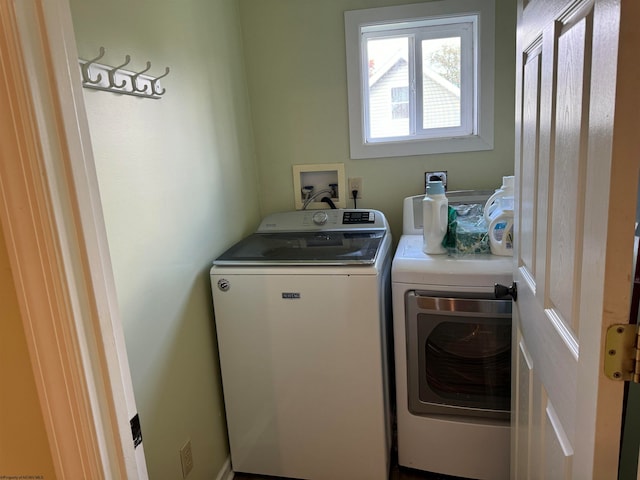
[406, 148]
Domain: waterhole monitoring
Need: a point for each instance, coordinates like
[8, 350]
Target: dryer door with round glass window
[459, 355]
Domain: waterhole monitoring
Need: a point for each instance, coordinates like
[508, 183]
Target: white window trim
[356, 20]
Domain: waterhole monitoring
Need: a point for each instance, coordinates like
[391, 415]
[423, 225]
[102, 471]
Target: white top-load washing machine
[452, 341]
[302, 312]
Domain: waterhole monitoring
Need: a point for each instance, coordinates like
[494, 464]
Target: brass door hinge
[622, 356]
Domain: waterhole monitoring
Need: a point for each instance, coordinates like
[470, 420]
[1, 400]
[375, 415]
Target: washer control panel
[356, 217]
[327, 219]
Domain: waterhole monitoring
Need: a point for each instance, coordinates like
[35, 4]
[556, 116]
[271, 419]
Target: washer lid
[327, 247]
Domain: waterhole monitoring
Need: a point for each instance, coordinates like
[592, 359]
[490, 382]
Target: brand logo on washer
[224, 285]
[290, 295]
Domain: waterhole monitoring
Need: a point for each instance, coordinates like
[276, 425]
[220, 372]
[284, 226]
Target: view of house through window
[388, 60]
[441, 76]
[400, 102]
[388, 87]
[416, 80]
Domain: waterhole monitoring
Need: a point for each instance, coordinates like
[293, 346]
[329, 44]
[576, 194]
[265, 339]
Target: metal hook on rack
[85, 69]
[112, 73]
[154, 83]
[134, 80]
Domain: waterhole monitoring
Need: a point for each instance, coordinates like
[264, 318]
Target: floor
[397, 473]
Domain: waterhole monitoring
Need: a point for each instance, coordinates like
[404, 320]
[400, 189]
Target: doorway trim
[56, 239]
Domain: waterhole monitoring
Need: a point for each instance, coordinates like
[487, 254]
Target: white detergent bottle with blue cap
[506, 191]
[501, 229]
[435, 217]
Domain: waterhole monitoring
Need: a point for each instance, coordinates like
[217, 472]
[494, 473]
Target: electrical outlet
[355, 183]
[442, 175]
[186, 459]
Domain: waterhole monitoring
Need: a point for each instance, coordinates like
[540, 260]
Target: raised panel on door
[529, 160]
[536, 449]
[568, 169]
[558, 452]
[522, 426]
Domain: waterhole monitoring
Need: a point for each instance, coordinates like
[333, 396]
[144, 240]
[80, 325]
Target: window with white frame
[420, 78]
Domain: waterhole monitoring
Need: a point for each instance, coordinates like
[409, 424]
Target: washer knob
[320, 218]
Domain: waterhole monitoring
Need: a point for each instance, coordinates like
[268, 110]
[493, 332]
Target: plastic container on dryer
[506, 191]
[501, 229]
[435, 216]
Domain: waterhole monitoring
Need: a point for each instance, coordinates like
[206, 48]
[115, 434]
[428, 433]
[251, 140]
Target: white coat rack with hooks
[118, 80]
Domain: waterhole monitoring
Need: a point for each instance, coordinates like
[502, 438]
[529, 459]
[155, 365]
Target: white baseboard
[225, 472]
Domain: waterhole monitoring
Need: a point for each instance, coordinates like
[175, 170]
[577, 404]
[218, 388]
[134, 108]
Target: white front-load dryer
[452, 341]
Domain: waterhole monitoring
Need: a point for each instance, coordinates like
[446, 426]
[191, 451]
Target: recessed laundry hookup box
[313, 182]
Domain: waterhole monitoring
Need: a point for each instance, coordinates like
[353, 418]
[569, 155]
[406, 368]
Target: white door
[577, 155]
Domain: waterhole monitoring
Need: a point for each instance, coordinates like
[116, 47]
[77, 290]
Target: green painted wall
[178, 183]
[296, 72]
